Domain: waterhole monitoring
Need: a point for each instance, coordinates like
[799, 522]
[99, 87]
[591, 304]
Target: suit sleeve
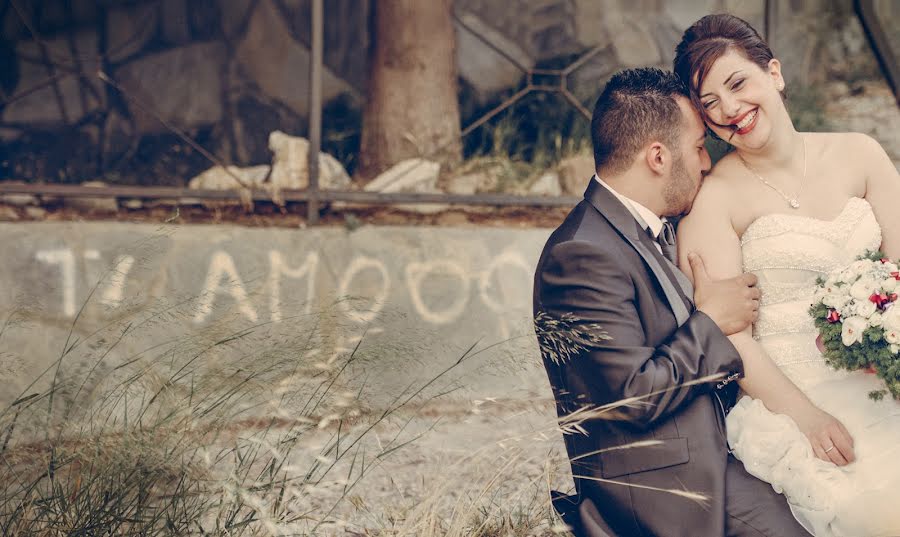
[583, 281]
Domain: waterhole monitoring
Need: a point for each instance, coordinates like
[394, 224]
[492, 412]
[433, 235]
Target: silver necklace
[793, 202]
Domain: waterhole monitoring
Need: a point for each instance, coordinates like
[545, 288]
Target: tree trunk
[412, 107]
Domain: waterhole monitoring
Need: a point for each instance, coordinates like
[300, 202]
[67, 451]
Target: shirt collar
[643, 215]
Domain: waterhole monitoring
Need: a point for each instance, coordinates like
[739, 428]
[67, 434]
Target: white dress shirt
[643, 215]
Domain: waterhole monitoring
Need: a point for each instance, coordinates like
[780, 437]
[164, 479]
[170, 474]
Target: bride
[789, 207]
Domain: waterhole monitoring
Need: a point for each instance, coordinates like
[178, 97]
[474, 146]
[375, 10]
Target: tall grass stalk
[214, 433]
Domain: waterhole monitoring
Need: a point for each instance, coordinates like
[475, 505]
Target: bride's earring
[779, 86]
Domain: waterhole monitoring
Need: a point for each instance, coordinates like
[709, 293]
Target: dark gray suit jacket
[601, 268]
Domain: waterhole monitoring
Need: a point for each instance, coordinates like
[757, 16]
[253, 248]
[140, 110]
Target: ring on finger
[829, 449]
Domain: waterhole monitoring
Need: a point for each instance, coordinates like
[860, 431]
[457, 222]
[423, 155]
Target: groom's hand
[733, 304]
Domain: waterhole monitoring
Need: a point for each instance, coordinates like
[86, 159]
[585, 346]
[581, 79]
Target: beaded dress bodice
[787, 253]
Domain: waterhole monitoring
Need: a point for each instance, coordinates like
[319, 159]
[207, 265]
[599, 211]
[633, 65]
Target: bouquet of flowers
[857, 313]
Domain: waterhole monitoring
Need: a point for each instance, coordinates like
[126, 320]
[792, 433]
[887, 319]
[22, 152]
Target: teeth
[747, 120]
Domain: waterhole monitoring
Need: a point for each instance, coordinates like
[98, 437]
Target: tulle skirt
[860, 499]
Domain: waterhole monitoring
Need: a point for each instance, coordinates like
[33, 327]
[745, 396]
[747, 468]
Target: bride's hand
[829, 438]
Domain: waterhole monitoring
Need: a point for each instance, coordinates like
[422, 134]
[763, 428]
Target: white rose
[859, 266]
[863, 288]
[852, 330]
[876, 320]
[891, 318]
[889, 285]
[895, 349]
[836, 301]
[865, 308]
[892, 336]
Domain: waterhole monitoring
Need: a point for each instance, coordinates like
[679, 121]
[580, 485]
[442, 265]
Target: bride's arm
[882, 191]
[708, 232]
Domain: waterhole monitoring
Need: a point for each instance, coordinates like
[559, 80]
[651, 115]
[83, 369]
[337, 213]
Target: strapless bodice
[788, 253]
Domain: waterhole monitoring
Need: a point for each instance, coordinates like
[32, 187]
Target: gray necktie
[666, 240]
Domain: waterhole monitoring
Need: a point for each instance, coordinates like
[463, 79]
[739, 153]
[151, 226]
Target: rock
[686, 12]
[234, 15]
[588, 32]
[633, 41]
[35, 213]
[183, 85]
[9, 135]
[216, 178]
[129, 28]
[41, 107]
[542, 29]
[873, 112]
[270, 56]
[290, 167]
[575, 172]
[254, 118]
[93, 205]
[836, 90]
[411, 175]
[18, 200]
[546, 185]
[464, 184]
[753, 12]
[484, 68]
[175, 28]
[793, 39]
[8, 214]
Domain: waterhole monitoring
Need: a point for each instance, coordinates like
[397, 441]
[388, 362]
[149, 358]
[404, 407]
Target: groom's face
[690, 162]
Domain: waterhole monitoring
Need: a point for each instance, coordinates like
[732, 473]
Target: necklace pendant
[794, 204]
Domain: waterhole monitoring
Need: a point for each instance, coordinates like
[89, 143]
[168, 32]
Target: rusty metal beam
[374, 198]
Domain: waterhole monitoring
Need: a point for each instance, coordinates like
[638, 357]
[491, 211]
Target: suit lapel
[622, 220]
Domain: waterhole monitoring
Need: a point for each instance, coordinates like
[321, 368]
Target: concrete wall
[418, 297]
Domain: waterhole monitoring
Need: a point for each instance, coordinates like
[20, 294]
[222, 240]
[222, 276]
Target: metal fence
[536, 80]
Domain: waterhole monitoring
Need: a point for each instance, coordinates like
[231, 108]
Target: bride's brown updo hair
[709, 39]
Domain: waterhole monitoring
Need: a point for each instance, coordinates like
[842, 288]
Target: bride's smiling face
[741, 100]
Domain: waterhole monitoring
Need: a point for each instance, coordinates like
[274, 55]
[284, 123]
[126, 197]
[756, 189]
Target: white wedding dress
[787, 253]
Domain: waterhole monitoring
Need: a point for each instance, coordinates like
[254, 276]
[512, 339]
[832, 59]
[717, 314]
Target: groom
[616, 319]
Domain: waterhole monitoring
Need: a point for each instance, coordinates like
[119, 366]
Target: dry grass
[260, 431]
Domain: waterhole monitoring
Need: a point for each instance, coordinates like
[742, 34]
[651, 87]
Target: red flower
[883, 299]
[896, 275]
[885, 260]
[833, 316]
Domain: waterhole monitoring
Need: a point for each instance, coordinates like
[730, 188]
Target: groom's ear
[657, 156]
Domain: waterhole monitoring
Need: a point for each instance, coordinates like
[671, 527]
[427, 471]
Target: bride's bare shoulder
[717, 193]
[840, 144]
[854, 157]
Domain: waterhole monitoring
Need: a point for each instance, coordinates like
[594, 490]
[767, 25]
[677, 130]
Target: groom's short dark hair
[637, 107]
